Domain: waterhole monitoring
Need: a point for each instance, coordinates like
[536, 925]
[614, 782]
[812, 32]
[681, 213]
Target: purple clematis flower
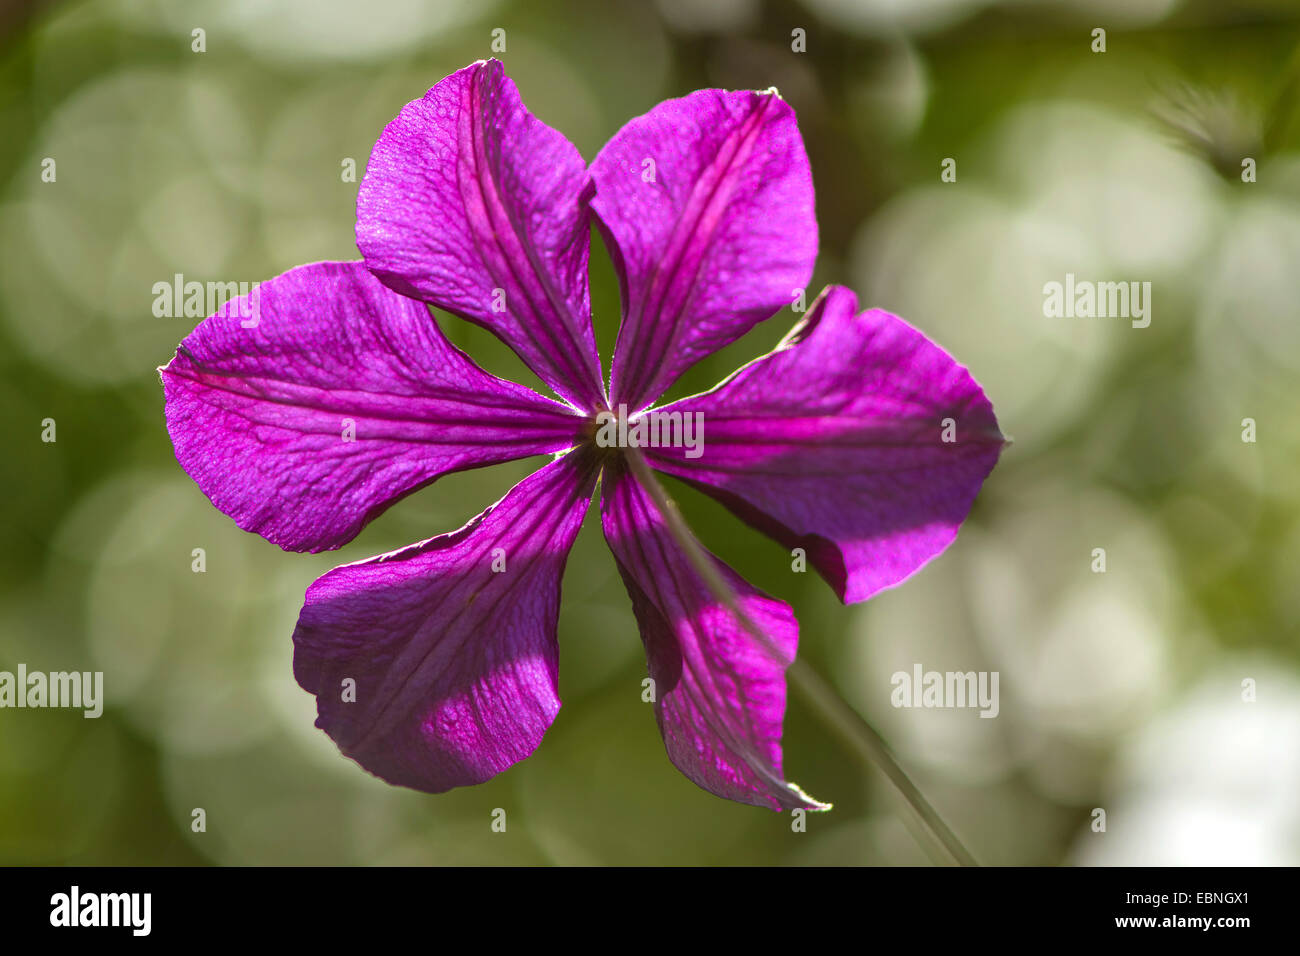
[834, 442]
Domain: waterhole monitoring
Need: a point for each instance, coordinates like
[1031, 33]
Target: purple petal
[706, 203]
[834, 443]
[471, 203]
[720, 696]
[453, 661]
[260, 396]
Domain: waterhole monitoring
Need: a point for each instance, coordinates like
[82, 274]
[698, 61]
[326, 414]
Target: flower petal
[471, 203]
[263, 397]
[706, 203]
[834, 442]
[449, 645]
[720, 696]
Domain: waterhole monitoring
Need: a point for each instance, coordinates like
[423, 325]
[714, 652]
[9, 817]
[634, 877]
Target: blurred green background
[1120, 691]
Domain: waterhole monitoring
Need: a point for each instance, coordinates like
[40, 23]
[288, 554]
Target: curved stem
[832, 708]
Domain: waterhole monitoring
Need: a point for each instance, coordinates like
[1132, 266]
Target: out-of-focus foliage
[1120, 691]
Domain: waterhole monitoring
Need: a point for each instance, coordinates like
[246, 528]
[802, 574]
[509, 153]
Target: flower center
[609, 431]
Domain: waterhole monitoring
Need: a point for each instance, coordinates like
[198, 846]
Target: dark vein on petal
[495, 209]
[638, 369]
[578, 482]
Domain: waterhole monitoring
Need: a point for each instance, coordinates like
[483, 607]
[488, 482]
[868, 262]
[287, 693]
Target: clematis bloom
[834, 442]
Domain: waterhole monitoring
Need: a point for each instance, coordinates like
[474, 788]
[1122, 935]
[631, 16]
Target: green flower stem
[830, 706]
